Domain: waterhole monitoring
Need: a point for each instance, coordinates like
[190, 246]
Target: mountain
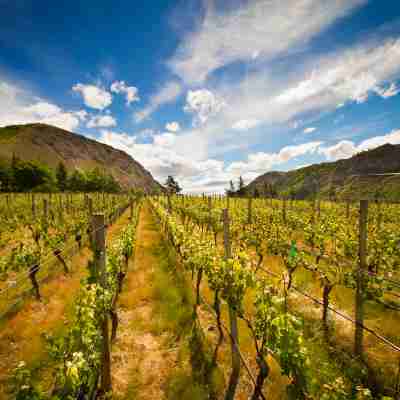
[355, 177]
[50, 145]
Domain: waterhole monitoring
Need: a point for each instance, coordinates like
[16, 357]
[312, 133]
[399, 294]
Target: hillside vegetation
[356, 177]
[49, 145]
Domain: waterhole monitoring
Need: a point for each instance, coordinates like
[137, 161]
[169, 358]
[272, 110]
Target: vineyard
[131, 297]
[306, 293]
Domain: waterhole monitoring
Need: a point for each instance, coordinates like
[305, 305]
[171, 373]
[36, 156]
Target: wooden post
[90, 207]
[235, 373]
[347, 210]
[33, 206]
[319, 209]
[98, 223]
[131, 207]
[379, 216]
[169, 204]
[361, 270]
[249, 211]
[45, 209]
[209, 211]
[284, 211]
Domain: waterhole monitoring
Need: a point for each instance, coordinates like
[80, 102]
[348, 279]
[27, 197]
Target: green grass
[173, 299]
[182, 386]
[174, 312]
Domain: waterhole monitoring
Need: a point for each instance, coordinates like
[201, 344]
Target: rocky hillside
[355, 177]
[50, 145]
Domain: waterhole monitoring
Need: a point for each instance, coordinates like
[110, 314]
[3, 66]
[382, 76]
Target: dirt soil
[141, 358]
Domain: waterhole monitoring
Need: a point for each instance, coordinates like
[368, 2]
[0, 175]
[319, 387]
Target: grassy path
[142, 356]
[21, 336]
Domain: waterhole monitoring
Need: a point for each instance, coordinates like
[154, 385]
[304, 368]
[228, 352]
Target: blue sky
[207, 90]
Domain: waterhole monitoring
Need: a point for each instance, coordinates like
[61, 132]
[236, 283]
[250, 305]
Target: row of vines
[264, 259]
[40, 233]
[81, 357]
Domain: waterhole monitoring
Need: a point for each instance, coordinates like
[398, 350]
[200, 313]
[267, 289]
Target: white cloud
[391, 91]
[145, 133]
[258, 163]
[173, 126]
[104, 121]
[17, 106]
[258, 29]
[343, 149]
[347, 148]
[160, 156]
[313, 86]
[166, 94]
[203, 104]
[93, 96]
[131, 92]
[350, 75]
[311, 129]
[245, 124]
[391, 138]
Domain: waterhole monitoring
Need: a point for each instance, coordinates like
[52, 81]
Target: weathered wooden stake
[33, 206]
[98, 223]
[235, 373]
[249, 211]
[45, 209]
[284, 211]
[361, 270]
[169, 204]
[131, 207]
[90, 207]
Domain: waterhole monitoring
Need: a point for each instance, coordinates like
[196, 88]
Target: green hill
[50, 145]
[365, 175]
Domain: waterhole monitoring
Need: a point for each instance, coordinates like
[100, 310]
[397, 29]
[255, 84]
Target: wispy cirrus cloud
[310, 129]
[166, 94]
[265, 28]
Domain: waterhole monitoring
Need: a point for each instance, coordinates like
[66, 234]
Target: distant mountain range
[361, 176]
[50, 145]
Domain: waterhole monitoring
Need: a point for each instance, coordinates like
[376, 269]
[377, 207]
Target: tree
[77, 181]
[172, 185]
[30, 175]
[61, 176]
[6, 177]
[231, 191]
[241, 189]
[256, 193]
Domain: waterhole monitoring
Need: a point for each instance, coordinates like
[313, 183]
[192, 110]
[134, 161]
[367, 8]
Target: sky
[207, 90]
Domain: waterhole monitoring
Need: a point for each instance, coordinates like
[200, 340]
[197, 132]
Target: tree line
[32, 176]
[240, 190]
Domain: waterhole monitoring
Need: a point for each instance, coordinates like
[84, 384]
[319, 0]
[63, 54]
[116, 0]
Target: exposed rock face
[50, 145]
[355, 177]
